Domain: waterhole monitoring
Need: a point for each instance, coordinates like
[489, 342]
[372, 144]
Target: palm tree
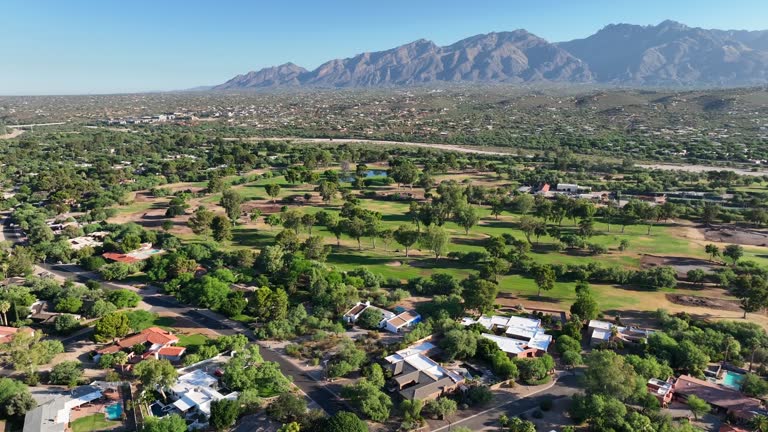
[5, 306]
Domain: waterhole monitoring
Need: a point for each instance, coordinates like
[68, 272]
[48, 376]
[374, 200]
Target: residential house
[662, 390]
[144, 252]
[7, 333]
[40, 313]
[351, 316]
[156, 342]
[603, 332]
[567, 188]
[53, 414]
[723, 399]
[416, 376]
[195, 391]
[403, 321]
[79, 243]
[517, 336]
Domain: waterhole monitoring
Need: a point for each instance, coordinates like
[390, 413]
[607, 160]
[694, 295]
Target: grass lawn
[164, 322]
[192, 340]
[96, 422]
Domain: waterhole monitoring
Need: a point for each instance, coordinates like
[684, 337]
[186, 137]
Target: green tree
[273, 190]
[403, 172]
[290, 427]
[406, 237]
[355, 228]
[370, 400]
[111, 326]
[467, 217]
[544, 276]
[65, 324]
[200, 221]
[566, 343]
[69, 304]
[222, 228]
[66, 373]
[231, 201]
[752, 291]
[754, 386]
[15, 398]
[375, 375]
[370, 318]
[585, 305]
[607, 373]
[436, 240]
[734, 252]
[327, 190]
[224, 413]
[479, 294]
[712, 250]
[169, 423]
[441, 407]
[344, 421]
[571, 359]
[698, 406]
[287, 408]
[123, 298]
[459, 343]
[308, 220]
[158, 374]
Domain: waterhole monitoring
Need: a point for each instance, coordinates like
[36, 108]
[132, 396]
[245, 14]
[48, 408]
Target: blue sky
[107, 46]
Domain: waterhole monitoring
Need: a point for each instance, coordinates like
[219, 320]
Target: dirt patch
[736, 235]
[394, 263]
[706, 302]
[682, 265]
[13, 134]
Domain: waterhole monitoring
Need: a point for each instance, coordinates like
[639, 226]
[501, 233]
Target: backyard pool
[114, 411]
[733, 380]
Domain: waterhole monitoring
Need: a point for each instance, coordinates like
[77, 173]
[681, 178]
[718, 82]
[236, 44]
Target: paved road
[566, 386]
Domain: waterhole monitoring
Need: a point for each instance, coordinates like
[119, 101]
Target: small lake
[350, 177]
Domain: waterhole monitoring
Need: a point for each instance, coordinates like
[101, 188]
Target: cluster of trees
[26, 351]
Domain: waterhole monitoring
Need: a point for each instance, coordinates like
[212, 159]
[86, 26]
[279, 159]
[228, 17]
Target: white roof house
[198, 390]
[354, 313]
[513, 326]
[404, 320]
[520, 334]
[415, 356]
[602, 331]
[508, 345]
[53, 414]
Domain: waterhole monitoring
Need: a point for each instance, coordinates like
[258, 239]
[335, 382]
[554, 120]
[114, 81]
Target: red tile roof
[171, 351]
[6, 333]
[153, 335]
[119, 257]
[714, 394]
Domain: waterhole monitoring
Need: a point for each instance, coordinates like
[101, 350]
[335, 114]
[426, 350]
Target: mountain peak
[667, 54]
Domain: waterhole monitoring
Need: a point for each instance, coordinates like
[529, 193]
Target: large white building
[523, 337]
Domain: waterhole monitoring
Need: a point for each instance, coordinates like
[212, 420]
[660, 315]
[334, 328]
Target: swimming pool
[733, 380]
[114, 411]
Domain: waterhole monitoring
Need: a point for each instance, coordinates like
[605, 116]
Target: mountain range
[669, 54]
